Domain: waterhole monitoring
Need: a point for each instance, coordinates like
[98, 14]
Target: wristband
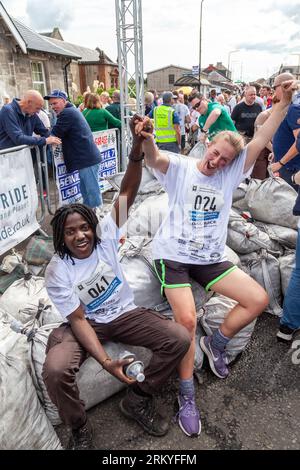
[282, 164]
[106, 359]
[139, 159]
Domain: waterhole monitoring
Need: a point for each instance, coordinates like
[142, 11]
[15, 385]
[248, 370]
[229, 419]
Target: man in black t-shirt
[245, 113]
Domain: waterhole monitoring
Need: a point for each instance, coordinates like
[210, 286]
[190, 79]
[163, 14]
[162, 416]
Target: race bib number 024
[204, 203]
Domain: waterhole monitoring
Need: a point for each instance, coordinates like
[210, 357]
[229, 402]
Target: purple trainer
[215, 357]
[188, 416]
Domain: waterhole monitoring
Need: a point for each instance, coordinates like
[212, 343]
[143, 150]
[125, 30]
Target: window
[38, 77]
[171, 79]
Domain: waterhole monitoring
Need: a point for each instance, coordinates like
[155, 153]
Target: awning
[191, 81]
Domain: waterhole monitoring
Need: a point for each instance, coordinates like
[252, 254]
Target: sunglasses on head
[197, 105]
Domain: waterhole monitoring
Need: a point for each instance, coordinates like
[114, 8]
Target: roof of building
[168, 66]
[55, 33]
[217, 76]
[37, 42]
[294, 69]
[12, 28]
[86, 55]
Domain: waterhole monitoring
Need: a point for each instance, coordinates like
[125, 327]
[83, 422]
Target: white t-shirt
[195, 229]
[96, 282]
[182, 110]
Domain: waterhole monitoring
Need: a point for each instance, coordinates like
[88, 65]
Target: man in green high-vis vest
[167, 125]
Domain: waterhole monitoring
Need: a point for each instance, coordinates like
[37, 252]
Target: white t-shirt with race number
[195, 229]
[96, 282]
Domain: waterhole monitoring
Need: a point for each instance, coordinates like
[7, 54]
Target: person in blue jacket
[78, 146]
[19, 119]
[290, 320]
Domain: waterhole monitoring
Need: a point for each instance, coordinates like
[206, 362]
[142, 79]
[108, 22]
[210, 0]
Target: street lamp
[200, 43]
[229, 55]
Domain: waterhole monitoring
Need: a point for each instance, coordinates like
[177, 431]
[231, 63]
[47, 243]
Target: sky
[254, 37]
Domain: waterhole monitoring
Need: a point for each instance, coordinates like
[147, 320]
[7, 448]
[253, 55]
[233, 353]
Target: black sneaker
[142, 410]
[82, 438]
[285, 333]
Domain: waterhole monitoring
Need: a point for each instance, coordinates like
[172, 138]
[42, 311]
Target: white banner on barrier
[68, 184]
[18, 199]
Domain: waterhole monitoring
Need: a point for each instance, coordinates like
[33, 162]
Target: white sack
[214, 312]
[284, 235]
[11, 342]
[149, 186]
[264, 268]
[137, 265]
[199, 354]
[239, 197]
[146, 219]
[286, 265]
[272, 201]
[22, 299]
[232, 256]
[10, 262]
[244, 237]
[23, 422]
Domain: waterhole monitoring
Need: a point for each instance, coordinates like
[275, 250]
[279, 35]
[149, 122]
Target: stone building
[32, 60]
[27, 60]
[163, 79]
[94, 66]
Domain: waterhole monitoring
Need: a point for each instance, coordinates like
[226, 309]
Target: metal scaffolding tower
[130, 61]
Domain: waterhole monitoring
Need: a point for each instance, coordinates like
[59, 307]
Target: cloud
[272, 48]
[292, 12]
[295, 36]
[56, 13]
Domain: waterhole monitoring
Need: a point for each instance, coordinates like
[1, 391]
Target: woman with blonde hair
[98, 118]
[190, 243]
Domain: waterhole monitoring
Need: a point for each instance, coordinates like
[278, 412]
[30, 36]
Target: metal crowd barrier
[46, 203]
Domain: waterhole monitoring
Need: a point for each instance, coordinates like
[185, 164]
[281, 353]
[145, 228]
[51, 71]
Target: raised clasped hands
[288, 88]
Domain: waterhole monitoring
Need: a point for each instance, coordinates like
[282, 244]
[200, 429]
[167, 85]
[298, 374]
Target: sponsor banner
[68, 184]
[18, 199]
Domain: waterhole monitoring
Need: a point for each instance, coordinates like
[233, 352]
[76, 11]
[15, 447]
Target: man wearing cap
[213, 117]
[167, 124]
[19, 120]
[78, 146]
[286, 155]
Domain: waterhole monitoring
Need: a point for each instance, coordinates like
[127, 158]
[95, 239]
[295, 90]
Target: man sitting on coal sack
[86, 256]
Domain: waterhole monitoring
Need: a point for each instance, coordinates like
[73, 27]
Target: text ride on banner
[68, 184]
[18, 199]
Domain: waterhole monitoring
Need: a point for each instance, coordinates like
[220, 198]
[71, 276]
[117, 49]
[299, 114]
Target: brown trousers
[167, 340]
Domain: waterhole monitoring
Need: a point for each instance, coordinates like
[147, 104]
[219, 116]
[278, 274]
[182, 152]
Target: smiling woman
[74, 231]
[190, 243]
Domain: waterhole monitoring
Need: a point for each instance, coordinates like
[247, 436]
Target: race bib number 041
[96, 290]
